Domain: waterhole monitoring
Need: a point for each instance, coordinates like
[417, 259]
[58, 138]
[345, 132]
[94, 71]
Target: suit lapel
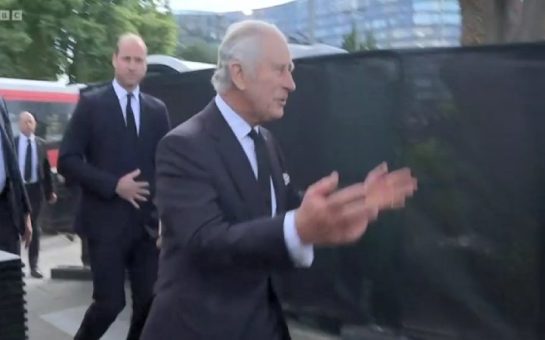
[112, 103]
[145, 119]
[231, 152]
[276, 173]
[4, 119]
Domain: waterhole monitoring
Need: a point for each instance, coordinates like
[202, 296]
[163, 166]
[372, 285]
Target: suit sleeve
[48, 180]
[294, 197]
[193, 218]
[17, 178]
[165, 122]
[73, 150]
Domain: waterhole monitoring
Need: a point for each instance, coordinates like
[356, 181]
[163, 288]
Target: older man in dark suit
[14, 205]
[36, 172]
[229, 213]
[109, 150]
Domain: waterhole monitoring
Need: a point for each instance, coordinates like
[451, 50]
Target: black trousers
[137, 255]
[35, 196]
[9, 236]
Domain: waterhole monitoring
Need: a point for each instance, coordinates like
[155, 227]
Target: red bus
[52, 104]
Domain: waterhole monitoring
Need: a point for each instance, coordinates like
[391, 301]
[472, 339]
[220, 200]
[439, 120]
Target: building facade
[389, 23]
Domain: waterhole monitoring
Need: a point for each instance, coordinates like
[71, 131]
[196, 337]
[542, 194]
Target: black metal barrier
[464, 259]
[13, 320]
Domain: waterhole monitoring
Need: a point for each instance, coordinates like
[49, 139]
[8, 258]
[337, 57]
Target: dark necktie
[263, 168]
[28, 161]
[131, 124]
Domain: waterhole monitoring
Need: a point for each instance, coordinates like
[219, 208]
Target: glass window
[51, 118]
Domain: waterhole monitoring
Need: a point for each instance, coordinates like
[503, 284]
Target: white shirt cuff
[301, 254]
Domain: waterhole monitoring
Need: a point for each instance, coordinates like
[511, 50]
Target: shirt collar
[121, 93]
[240, 127]
[31, 137]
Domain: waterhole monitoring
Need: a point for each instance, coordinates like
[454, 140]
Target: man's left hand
[52, 199]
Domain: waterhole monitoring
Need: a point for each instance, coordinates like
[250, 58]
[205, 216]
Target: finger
[354, 192]
[134, 204]
[352, 215]
[398, 205]
[134, 173]
[356, 218]
[400, 176]
[142, 184]
[143, 192]
[378, 171]
[356, 213]
[406, 189]
[324, 186]
[140, 198]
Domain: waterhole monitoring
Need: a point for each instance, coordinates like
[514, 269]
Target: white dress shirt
[21, 151]
[121, 94]
[302, 255]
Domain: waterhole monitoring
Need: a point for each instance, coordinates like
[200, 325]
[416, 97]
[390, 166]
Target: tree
[502, 21]
[77, 37]
[351, 42]
[199, 51]
[90, 41]
[13, 41]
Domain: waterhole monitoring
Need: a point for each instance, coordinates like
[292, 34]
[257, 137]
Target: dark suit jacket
[20, 206]
[219, 247]
[96, 151]
[44, 168]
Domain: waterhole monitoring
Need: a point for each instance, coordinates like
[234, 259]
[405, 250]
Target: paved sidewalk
[56, 307]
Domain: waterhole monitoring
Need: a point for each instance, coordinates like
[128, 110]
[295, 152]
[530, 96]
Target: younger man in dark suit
[109, 150]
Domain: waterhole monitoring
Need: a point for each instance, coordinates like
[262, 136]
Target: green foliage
[351, 41]
[77, 37]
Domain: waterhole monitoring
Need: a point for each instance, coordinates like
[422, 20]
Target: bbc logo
[11, 15]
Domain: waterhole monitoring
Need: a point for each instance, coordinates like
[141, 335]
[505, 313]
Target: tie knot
[254, 135]
[129, 96]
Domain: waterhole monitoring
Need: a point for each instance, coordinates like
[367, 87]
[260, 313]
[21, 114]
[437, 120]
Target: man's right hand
[328, 216]
[131, 190]
[27, 236]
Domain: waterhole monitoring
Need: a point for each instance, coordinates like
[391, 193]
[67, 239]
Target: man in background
[36, 172]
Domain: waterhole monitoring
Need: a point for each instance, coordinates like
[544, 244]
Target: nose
[289, 82]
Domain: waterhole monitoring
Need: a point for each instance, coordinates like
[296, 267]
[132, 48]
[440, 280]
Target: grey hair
[241, 42]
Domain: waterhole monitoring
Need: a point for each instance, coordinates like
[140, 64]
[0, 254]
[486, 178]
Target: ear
[113, 59]
[237, 75]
